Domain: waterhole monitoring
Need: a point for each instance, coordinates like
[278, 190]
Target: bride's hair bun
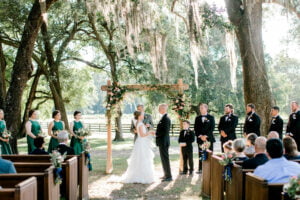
[137, 114]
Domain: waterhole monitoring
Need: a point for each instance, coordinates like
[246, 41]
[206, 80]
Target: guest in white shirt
[278, 169]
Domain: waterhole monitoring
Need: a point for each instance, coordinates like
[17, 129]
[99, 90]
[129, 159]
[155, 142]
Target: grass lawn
[103, 186]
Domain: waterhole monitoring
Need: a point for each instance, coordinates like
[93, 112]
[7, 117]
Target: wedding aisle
[104, 186]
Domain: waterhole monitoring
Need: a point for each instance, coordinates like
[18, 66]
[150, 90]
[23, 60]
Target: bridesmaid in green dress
[4, 142]
[54, 127]
[33, 128]
[76, 141]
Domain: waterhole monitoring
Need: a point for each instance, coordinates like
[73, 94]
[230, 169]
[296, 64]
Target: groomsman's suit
[163, 142]
[188, 137]
[293, 127]
[277, 125]
[228, 124]
[252, 124]
[147, 120]
[204, 125]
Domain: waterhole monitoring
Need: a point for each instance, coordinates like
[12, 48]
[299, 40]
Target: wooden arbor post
[180, 87]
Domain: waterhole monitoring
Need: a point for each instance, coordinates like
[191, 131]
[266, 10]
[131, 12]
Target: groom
[163, 141]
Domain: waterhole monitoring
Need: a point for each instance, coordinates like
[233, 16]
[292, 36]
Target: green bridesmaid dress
[58, 126]
[76, 143]
[5, 147]
[35, 129]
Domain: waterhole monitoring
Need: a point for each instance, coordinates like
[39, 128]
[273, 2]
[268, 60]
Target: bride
[140, 164]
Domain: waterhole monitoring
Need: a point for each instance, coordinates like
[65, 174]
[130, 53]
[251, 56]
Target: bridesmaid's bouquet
[83, 132]
[7, 134]
[41, 134]
[57, 159]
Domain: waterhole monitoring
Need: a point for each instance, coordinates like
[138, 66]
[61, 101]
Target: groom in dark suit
[163, 141]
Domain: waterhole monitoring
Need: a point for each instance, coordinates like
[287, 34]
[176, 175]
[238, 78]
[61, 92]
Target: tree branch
[85, 62]
[177, 14]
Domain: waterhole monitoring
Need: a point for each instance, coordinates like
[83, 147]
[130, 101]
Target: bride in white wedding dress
[140, 164]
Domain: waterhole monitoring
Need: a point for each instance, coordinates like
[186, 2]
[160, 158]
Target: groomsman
[293, 126]
[227, 125]
[252, 121]
[276, 122]
[204, 127]
[147, 121]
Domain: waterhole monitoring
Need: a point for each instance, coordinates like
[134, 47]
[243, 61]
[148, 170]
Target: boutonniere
[229, 119]
[294, 116]
[206, 120]
[250, 120]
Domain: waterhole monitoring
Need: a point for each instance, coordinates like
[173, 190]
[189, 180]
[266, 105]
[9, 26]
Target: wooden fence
[175, 128]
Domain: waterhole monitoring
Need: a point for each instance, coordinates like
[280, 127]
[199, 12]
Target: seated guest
[260, 154]
[278, 169]
[290, 149]
[239, 147]
[39, 144]
[250, 141]
[273, 134]
[227, 146]
[62, 138]
[7, 167]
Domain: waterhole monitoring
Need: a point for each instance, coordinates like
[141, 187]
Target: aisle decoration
[204, 148]
[292, 188]
[227, 162]
[87, 148]
[57, 159]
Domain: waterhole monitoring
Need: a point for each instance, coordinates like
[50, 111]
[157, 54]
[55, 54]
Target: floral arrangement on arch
[292, 188]
[181, 106]
[115, 95]
[227, 162]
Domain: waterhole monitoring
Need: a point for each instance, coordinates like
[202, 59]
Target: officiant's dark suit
[204, 125]
[163, 142]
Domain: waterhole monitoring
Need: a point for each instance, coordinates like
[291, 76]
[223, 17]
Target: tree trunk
[2, 78]
[30, 100]
[22, 70]
[53, 77]
[118, 125]
[248, 21]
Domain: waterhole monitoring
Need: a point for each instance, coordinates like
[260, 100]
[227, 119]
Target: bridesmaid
[33, 128]
[76, 141]
[54, 127]
[4, 142]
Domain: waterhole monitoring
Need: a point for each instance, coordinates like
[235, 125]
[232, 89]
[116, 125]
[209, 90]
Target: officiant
[147, 121]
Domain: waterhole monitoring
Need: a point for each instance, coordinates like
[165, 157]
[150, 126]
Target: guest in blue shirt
[7, 167]
[278, 169]
[290, 149]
